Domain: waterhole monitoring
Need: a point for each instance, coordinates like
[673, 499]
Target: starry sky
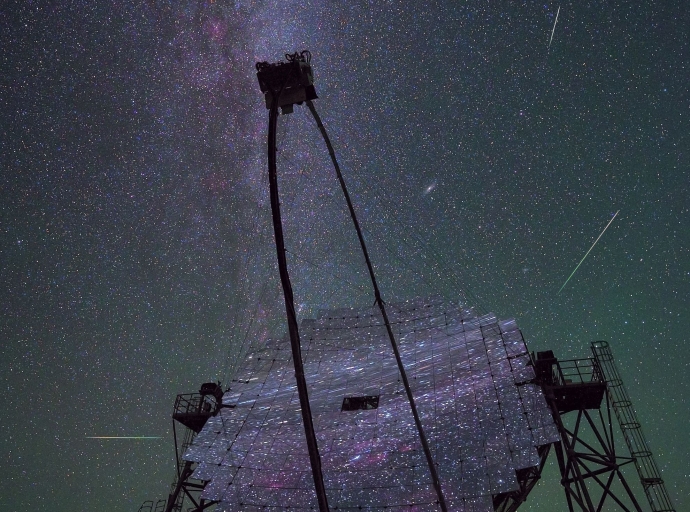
[136, 250]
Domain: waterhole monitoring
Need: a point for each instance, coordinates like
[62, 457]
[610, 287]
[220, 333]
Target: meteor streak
[554, 25]
[590, 250]
[123, 437]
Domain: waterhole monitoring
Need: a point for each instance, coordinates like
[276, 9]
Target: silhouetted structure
[582, 394]
[647, 469]
[193, 411]
[151, 506]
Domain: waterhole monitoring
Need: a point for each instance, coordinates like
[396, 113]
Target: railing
[150, 506]
[192, 403]
[147, 506]
[576, 371]
[649, 473]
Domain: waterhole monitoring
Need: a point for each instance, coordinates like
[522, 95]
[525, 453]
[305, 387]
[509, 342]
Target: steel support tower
[152, 506]
[586, 397]
[192, 411]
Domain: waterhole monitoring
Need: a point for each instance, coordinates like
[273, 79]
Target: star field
[136, 250]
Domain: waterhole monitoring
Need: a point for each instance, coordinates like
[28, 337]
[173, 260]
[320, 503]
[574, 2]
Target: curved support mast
[381, 305]
[293, 330]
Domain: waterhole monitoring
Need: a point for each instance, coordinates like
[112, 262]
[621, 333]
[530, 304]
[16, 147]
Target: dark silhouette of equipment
[192, 411]
[291, 82]
[647, 469]
[527, 478]
[582, 394]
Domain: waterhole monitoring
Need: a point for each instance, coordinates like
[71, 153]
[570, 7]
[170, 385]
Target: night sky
[136, 250]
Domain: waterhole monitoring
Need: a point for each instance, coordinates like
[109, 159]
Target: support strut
[293, 330]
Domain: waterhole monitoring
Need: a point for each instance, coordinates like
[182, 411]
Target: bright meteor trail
[554, 25]
[590, 250]
[123, 437]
